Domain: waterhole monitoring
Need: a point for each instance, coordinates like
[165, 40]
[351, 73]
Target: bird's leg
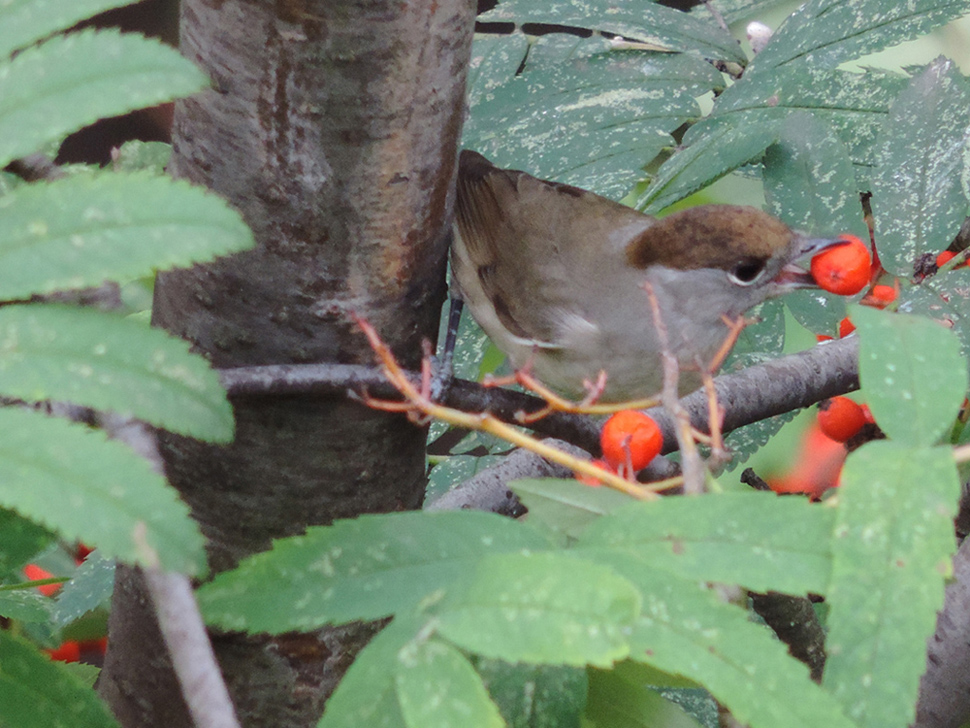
[715, 416]
[419, 408]
[735, 327]
[524, 378]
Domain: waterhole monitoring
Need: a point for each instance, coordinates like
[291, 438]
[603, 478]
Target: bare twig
[692, 465]
[177, 612]
[418, 406]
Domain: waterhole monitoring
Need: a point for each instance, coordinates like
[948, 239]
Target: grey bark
[333, 126]
[944, 691]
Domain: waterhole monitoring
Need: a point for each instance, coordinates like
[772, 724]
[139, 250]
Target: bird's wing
[535, 248]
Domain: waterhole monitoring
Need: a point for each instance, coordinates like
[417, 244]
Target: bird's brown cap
[718, 235]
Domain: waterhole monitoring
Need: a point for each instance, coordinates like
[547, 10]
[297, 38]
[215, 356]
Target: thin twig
[176, 610]
[692, 466]
[418, 405]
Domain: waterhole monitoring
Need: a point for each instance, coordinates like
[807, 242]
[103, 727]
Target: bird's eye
[748, 271]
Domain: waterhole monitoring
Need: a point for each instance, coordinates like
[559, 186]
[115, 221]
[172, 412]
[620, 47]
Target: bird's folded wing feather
[536, 248]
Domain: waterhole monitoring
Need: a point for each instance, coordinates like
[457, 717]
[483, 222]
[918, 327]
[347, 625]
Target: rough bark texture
[944, 691]
[333, 126]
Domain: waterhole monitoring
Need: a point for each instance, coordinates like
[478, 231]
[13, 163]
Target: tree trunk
[333, 126]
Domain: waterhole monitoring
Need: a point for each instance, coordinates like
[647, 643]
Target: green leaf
[757, 540]
[367, 695]
[453, 470]
[646, 22]
[495, 60]
[566, 506]
[809, 182]
[912, 373]
[727, 146]
[944, 298]
[52, 89]
[829, 32]
[553, 49]
[818, 311]
[25, 605]
[735, 10]
[88, 589]
[535, 696]
[139, 156]
[365, 568]
[73, 480]
[23, 22]
[745, 441]
[592, 121]
[685, 629]
[618, 700]
[85, 673]
[891, 555]
[437, 687]
[546, 608]
[917, 198]
[760, 340]
[98, 360]
[81, 231]
[20, 539]
[38, 693]
[853, 104]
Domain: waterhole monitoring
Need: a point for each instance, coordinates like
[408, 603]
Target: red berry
[822, 337]
[840, 418]
[34, 573]
[881, 296]
[81, 553]
[589, 479]
[843, 269]
[69, 651]
[945, 257]
[630, 438]
[846, 327]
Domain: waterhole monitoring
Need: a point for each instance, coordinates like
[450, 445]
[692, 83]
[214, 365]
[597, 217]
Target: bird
[556, 277]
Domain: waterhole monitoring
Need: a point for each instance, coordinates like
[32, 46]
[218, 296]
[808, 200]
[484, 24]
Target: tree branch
[756, 393]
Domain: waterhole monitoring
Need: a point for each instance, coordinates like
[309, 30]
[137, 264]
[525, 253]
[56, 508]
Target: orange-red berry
[589, 479]
[35, 573]
[946, 256]
[630, 438]
[69, 651]
[840, 418]
[843, 269]
[846, 327]
[881, 296]
[822, 337]
[81, 553]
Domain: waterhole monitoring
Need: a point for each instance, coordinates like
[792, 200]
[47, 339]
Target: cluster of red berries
[630, 440]
[70, 650]
[845, 270]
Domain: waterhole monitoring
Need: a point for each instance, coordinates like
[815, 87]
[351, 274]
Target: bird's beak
[793, 276]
